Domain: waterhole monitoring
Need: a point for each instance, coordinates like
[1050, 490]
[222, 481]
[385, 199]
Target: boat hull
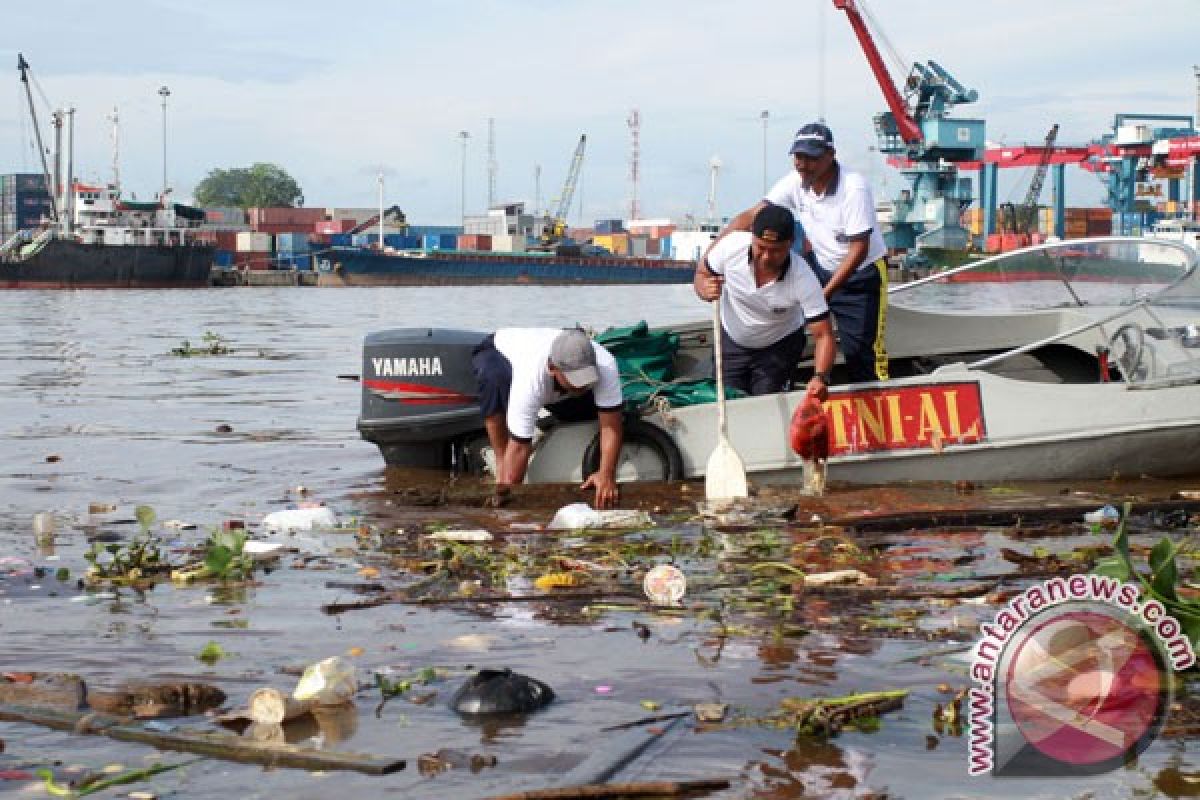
[351, 267]
[61, 264]
[1013, 431]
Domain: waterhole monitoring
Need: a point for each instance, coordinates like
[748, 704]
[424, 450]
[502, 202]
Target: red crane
[905, 124]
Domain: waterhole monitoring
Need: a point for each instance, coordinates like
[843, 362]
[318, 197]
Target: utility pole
[714, 166]
[381, 210]
[164, 93]
[635, 157]
[764, 116]
[116, 144]
[537, 189]
[492, 168]
[462, 198]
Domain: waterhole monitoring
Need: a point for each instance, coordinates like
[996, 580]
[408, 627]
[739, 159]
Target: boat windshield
[1108, 271]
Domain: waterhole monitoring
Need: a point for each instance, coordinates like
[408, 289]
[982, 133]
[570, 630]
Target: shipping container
[253, 242]
[447, 241]
[252, 260]
[341, 240]
[223, 258]
[474, 241]
[330, 227]
[225, 215]
[302, 218]
[292, 243]
[434, 230]
[605, 226]
[508, 244]
[296, 261]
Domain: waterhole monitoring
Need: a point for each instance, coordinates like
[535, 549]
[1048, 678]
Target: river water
[99, 410]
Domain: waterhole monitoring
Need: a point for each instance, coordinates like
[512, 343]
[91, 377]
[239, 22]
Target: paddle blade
[725, 477]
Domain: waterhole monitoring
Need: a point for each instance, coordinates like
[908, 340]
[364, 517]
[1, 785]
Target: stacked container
[253, 250]
[474, 241]
[607, 226]
[24, 202]
[285, 220]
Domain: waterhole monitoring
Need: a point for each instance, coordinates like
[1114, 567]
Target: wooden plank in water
[221, 746]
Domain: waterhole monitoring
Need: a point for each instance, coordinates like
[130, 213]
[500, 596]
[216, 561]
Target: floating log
[615, 790]
[221, 746]
[991, 517]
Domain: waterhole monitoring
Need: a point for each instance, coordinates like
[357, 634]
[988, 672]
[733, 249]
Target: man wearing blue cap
[768, 295]
[837, 211]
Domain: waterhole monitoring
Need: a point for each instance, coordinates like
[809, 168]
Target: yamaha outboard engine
[419, 396]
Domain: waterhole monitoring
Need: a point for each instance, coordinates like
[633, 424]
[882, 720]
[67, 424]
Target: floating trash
[501, 691]
[580, 515]
[1106, 517]
[475, 535]
[665, 585]
[299, 519]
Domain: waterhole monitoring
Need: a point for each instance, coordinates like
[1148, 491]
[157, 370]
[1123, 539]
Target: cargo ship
[113, 244]
[360, 266]
[61, 234]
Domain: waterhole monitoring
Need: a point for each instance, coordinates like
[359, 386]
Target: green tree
[257, 186]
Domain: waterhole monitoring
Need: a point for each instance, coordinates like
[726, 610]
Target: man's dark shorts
[764, 370]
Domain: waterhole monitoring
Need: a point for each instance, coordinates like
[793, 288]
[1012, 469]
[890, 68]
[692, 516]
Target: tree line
[260, 185]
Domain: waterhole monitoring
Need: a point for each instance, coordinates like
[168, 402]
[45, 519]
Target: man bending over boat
[837, 211]
[522, 370]
[768, 294]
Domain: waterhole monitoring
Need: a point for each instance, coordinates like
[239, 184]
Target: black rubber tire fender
[643, 433]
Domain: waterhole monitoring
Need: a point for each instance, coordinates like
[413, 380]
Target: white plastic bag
[581, 515]
[327, 683]
[299, 519]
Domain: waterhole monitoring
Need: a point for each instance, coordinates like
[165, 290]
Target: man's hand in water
[499, 497]
[606, 489]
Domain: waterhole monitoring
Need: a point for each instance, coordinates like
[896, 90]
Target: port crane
[556, 225]
[1022, 219]
[394, 216]
[920, 137]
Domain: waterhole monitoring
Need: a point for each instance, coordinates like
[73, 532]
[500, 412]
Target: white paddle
[725, 477]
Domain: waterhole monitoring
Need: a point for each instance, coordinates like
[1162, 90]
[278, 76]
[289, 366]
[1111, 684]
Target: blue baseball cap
[812, 140]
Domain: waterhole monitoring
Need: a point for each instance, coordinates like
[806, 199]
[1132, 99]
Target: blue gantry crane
[925, 142]
[1127, 155]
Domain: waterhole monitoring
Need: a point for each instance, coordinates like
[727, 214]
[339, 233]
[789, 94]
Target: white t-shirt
[528, 350]
[758, 316]
[846, 210]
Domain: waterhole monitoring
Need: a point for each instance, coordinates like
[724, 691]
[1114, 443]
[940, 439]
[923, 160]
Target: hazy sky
[335, 92]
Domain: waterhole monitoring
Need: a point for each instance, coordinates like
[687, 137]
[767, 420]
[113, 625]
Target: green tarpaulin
[646, 362]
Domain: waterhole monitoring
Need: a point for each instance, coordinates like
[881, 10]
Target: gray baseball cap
[572, 352]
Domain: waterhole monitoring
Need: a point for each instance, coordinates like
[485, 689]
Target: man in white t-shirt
[768, 296]
[837, 211]
[522, 370]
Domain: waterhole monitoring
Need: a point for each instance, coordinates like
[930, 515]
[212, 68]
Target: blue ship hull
[343, 266]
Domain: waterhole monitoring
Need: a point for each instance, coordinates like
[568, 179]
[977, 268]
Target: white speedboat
[1072, 360]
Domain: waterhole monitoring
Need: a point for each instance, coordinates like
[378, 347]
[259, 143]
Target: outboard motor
[419, 395]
